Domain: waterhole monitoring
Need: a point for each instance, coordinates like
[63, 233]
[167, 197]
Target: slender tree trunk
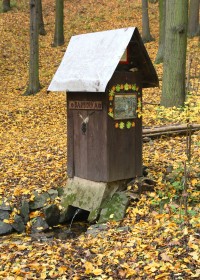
[162, 19]
[146, 36]
[6, 6]
[193, 20]
[173, 90]
[59, 31]
[34, 84]
[40, 19]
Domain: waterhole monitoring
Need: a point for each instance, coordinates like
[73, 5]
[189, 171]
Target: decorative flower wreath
[124, 88]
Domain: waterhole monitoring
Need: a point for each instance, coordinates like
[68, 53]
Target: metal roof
[91, 59]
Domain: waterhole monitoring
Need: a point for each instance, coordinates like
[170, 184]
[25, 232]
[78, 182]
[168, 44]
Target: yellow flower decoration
[111, 114]
[121, 125]
[126, 86]
[123, 89]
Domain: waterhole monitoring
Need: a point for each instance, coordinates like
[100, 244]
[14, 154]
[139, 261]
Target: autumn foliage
[159, 237]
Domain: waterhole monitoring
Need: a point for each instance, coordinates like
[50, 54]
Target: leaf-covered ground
[156, 240]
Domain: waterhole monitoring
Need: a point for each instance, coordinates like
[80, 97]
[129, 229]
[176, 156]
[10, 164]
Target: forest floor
[161, 238]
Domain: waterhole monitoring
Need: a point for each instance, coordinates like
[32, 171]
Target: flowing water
[76, 213]
[75, 227]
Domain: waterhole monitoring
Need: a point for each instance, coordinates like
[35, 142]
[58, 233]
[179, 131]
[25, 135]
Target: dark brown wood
[97, 145]
[100, 151]
[89, 147]
[70, 144]
[138, 148]
[124, 145]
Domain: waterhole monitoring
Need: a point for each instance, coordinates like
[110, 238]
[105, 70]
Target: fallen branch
[171, 129]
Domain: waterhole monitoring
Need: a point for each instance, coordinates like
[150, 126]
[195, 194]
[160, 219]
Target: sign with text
[85, 105]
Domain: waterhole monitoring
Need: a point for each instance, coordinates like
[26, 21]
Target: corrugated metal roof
[91, 59]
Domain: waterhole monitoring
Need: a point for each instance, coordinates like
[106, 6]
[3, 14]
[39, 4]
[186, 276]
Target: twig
[185, 188]
[188, 74]
[189, 142]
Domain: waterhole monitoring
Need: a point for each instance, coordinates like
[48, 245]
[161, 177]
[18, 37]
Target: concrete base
[92, 196]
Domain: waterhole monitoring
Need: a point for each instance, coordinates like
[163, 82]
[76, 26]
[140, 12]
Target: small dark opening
[77, 214]
[75, 225]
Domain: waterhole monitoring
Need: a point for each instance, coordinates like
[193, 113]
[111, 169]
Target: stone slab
[83, 194]
[5, 228]
[4, 205]
[39, 200]
[4, 215]
[18, 224]
[114, 208]
[89, 195]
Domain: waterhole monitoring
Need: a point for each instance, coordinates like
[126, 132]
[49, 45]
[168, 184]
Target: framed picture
[125, 106]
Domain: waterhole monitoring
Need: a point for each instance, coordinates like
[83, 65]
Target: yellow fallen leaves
[128, 270]
[162, 276]
[195, 256]
[35, 214]
[90, 269]
[33, 157]
[194, 182]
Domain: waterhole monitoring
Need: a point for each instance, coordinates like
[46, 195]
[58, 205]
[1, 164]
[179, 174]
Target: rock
[53, 194]
[5, 206]
[4, 215]
[41, 237]
[18, 224]
[39, 201]
[64, 216]
[94, 214]
[94, 230]
[60, 191]
[122, 229]
[39, 225]
[52, 214]
[24, 211]
[5, 228]
[65, 234]
[115, 208]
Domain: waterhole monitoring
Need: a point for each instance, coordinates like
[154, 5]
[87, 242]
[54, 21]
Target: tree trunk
[173, 90]
[34, 84]
[40, 19]
[6, 6]
[146, 36]
[59, 31]
[193, 20]
[162, 19]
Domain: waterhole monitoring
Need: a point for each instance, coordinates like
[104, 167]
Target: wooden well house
[103, 74]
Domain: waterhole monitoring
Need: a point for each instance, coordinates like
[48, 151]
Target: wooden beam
[171, 129]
